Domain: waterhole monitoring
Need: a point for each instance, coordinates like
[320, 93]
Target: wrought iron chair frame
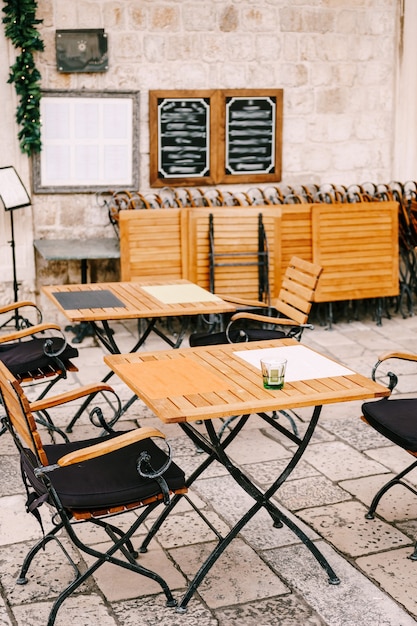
[38, 475]
[398, 479]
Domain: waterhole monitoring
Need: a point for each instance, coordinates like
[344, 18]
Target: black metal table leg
[262, 500]
[215, 448]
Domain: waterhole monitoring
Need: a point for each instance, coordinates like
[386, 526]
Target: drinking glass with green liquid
[273, 373]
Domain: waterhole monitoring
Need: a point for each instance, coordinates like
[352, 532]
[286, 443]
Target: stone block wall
[335, 60]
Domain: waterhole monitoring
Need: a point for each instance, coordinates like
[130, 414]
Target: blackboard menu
[205, 137]
[250, 135]
[183, 140]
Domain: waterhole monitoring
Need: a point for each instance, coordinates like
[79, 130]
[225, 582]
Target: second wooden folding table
[101, 303]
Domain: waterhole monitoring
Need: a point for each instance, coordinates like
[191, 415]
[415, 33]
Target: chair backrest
[18, 412]
[296, 295]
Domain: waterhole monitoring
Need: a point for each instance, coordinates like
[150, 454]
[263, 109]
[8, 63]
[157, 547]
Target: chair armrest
[278, 321]
[69, 396]
[407, 356]
[17, 305]
[26, 332]
[393, 378]
[106, 447]
[256, 303]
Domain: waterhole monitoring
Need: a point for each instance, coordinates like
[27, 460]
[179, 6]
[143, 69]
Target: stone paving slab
[266, 577]
[49, 572]
[396, 574]
[345, 527]
[248, 577]
[356, 601]
[188, 528]
[397, 504]
[117, 583]
[150, 611]
[339, 461]
[11, 481]
[394, 458]
[79, 611]
[264, 473]
[354, 432]
[15, 524]
[4, 616]
[232, 503]
[311, 491]
[287, 610]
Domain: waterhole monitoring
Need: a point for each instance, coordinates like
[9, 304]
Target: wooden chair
[36, 353]
[290, 310]
[89, 481]
[395, 419]
[33, 352]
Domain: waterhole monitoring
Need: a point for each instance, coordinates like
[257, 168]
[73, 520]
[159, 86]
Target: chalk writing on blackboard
[183, 141]
[250, 135]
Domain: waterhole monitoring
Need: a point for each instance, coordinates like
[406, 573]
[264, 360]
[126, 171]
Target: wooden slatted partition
[153, 243]
[296, 233]
[235, 231]
[357, 246]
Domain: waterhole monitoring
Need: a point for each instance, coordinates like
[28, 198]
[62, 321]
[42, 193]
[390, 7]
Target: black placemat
[94, 299]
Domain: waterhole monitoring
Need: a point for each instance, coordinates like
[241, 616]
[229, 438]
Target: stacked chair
[405, 193]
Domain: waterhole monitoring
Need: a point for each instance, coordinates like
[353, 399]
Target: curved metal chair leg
[413, 556]
[22, 580]
[397, 480]
[170, 600]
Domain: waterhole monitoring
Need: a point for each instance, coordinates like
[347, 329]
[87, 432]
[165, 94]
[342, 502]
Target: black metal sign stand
[13, 196]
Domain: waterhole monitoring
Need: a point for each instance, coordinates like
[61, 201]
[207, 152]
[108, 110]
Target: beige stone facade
[341, 63]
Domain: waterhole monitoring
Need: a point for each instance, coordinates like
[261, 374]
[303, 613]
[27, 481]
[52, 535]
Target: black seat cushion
[28, 356]
[395, 419]
[107, 481]
[253, 334]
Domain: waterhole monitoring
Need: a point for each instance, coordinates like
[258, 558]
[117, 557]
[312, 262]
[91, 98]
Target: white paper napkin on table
[302, 363]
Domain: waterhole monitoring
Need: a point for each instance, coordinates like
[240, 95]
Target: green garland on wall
[21, 29]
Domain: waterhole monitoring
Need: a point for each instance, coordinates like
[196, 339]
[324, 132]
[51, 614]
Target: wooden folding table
[202, 384]
[100, 303]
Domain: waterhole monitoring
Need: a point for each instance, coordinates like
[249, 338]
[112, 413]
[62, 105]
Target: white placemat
[179, 294]
[302, 363]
